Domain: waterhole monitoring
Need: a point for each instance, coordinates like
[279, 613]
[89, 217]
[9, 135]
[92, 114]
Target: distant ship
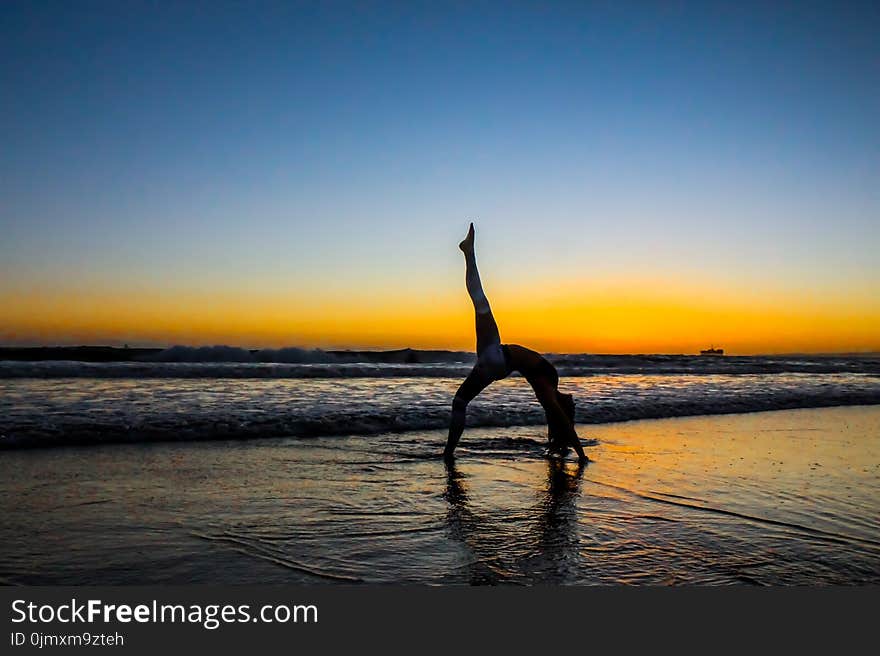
[712, 351]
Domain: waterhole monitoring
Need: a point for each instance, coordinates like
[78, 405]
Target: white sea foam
[233, 362]
[58, 411]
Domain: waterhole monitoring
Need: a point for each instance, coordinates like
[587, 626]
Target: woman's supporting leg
[475, 383]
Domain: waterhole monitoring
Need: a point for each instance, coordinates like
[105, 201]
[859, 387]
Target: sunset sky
[659, 177]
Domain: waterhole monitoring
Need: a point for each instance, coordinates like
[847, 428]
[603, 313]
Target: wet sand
[774, 498]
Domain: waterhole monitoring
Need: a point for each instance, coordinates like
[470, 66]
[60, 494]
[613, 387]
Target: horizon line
[125, 346]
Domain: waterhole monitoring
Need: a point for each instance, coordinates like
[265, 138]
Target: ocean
[58, 403]
[189, 468]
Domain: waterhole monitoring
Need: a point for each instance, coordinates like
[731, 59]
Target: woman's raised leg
[486, 328]
[491, 364]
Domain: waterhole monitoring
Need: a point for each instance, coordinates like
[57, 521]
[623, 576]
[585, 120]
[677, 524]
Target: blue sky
[197, 146]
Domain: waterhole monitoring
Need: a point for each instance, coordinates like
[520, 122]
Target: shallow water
[61, 411]
[789, 497]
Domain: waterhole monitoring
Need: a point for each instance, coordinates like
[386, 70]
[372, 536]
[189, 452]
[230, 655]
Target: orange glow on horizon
[622, 318]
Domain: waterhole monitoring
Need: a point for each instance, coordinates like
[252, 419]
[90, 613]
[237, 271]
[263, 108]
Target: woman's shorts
[493, 362]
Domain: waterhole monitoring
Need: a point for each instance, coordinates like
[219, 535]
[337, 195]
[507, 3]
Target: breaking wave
[234, 362]
[63, 411]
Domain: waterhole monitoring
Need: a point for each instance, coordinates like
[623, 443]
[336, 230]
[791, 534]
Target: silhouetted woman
[496, 361]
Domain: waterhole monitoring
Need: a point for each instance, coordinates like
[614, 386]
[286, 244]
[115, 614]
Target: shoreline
[776, 498]
[7, 445]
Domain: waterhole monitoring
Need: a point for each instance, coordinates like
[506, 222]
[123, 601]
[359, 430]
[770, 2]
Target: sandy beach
[772, 498]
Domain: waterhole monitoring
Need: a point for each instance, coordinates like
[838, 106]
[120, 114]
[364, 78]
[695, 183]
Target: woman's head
[567, 403]
[561, 425]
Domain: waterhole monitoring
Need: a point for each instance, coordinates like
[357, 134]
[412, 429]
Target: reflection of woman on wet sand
[496, 361]
[541, 546]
